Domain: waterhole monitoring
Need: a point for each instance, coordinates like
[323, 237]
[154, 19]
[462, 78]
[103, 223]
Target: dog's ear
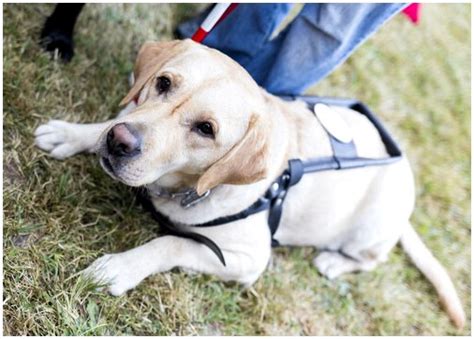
[245, 163]
[150, 59]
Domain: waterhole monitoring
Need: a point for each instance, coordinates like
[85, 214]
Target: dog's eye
[163, 84]
[204, 129]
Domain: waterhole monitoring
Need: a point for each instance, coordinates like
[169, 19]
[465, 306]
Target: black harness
[344, 157]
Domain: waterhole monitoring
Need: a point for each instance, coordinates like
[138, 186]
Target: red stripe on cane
[199, 35]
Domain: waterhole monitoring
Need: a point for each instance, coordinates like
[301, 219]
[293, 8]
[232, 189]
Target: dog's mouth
[110, 170]
[107, 166]
[116, 171]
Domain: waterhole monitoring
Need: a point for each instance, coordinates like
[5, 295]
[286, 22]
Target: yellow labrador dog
[195, 118]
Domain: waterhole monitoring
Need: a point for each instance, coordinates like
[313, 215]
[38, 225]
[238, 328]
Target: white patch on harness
[333, 123]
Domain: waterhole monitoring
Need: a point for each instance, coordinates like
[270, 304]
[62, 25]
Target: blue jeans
[319, 39]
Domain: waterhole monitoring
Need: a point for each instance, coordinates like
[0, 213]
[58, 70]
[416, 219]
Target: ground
[60, 216]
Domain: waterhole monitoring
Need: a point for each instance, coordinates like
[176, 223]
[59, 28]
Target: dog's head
[199, 121]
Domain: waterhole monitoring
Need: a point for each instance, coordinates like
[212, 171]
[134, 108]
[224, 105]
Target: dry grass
[59, 216]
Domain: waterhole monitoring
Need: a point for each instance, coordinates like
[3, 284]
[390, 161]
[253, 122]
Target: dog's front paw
[113, 271]
[60, 138]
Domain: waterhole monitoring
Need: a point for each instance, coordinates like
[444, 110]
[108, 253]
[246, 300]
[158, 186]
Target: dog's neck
[187, 197]
[222, 200]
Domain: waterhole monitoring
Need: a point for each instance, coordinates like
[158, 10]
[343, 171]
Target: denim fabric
[319, 39]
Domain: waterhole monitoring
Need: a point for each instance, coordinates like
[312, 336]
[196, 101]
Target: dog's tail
[435, 273]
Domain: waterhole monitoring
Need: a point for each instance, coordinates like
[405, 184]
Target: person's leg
[320, 38]
[317, 41]
[243, 33]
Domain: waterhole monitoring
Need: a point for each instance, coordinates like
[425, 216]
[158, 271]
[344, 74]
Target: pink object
[412, 11]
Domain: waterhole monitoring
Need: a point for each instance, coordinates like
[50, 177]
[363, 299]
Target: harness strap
[290, 177]
[272, 200]
[258, 206]
[342, 150]
[171, 228]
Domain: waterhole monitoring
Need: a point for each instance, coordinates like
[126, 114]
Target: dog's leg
[63, 139]
[57, 32]
[123, 271]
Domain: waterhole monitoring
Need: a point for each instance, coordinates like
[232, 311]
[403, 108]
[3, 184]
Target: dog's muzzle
[123, 141]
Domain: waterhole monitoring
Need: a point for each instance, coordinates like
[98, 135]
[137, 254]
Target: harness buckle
[191, 198]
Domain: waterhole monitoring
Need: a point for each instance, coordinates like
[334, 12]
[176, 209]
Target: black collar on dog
[344, 157]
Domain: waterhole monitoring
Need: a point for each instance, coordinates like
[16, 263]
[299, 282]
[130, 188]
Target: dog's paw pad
[60, 138]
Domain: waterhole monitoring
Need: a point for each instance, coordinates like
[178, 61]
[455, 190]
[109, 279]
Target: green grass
[60, 216]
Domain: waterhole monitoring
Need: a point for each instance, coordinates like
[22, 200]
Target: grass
[60, 216]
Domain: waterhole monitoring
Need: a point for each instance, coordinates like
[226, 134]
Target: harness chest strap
[272, 201]
[344, 157]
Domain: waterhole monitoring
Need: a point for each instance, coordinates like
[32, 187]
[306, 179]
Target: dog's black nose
[123, 141]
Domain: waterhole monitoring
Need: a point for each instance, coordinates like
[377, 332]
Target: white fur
[64, 139]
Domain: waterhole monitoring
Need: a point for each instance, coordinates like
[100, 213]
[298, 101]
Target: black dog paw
[58, 30]
[60, 41]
